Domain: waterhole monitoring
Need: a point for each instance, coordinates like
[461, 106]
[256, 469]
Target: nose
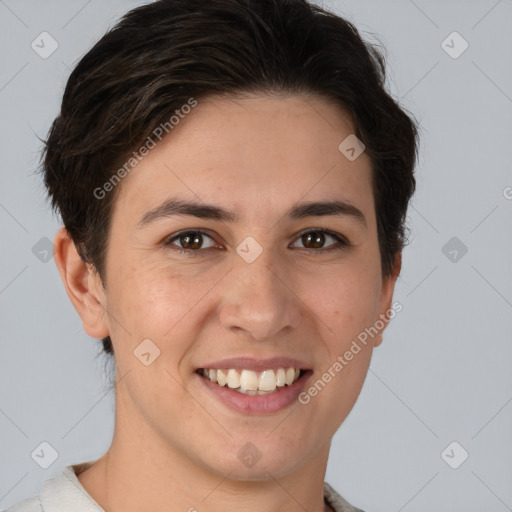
[259, 299]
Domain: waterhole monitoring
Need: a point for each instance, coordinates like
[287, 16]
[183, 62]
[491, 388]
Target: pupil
[191, 242]
[317, 241]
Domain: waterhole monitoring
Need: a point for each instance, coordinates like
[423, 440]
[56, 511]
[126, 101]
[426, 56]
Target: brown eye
[313, 239]
[316, 239]
[189, 241]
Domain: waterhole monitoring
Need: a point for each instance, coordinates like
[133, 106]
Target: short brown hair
[160, 55]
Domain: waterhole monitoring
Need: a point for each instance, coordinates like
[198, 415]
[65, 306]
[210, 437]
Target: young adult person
[233, 180]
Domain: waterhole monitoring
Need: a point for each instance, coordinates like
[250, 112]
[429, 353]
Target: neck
[118, 484]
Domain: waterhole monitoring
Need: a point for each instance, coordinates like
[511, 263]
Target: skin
[174, 446]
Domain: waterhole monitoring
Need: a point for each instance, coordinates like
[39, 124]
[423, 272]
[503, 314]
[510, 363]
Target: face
[252, 284]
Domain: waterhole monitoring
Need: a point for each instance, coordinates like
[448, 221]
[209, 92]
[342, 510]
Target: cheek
[345, 297]
[156, 299]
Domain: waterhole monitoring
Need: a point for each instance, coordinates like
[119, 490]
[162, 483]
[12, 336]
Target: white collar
[65, 492]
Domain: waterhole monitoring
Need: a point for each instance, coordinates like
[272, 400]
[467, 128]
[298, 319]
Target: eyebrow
[175, 206]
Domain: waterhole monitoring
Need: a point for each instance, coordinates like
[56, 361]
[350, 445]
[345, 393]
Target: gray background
[443, 372]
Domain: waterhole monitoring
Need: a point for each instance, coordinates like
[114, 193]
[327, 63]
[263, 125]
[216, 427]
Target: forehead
[252, 152]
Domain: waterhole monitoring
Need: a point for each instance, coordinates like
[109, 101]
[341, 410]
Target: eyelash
[343, 243]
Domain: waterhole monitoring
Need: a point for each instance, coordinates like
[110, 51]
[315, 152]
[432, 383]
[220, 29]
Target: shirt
[65, 493]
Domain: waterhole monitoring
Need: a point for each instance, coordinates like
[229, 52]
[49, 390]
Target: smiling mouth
[250, 382]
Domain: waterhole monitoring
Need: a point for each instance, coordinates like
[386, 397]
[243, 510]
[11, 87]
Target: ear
[82, 284]
[386, 297]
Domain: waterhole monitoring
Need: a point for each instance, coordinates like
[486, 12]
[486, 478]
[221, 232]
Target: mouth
[249, 382]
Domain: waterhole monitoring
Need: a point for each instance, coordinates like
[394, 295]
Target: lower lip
[258, 404]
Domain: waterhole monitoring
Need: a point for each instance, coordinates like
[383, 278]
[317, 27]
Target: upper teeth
[248, 380]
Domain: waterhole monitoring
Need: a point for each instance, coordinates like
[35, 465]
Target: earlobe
[82, 284]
